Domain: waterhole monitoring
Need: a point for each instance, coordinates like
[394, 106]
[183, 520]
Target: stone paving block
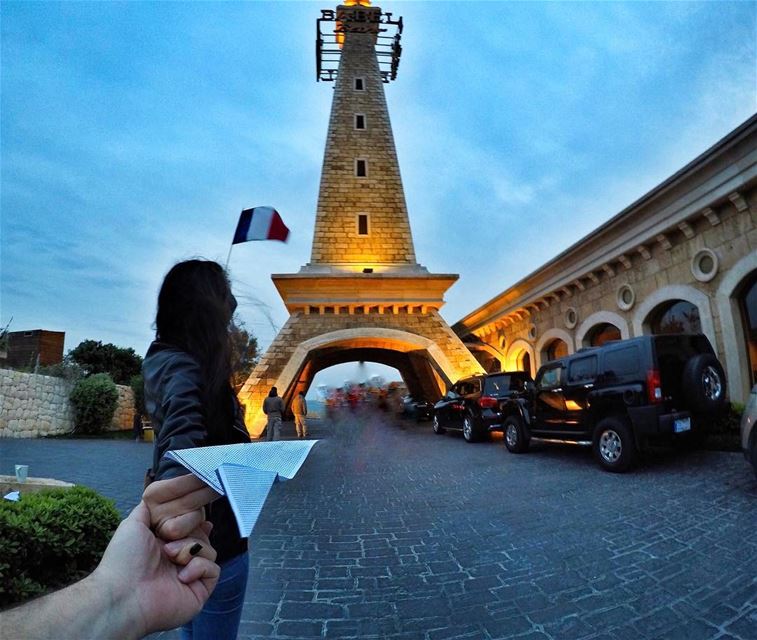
[299, 629]
[507, 627]
[745, 626]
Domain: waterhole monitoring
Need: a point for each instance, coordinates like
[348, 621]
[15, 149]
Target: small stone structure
[33, 405]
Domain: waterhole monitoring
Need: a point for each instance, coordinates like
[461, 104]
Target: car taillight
[487, 402]
[654, 386]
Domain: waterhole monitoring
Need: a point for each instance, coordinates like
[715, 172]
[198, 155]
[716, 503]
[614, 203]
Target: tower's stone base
[428, 354]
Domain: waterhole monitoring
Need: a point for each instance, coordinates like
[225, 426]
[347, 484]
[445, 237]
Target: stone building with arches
[681, 258]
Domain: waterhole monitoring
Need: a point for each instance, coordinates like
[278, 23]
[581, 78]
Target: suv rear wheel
[703, 383]
[438, 429]
[469, 428]
[516, 440]
[613, 445]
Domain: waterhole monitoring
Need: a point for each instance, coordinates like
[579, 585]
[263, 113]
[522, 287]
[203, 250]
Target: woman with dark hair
[188, 394]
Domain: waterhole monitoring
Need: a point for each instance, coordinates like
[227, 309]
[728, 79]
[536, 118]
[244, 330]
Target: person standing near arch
[300, 410]
[273, 407]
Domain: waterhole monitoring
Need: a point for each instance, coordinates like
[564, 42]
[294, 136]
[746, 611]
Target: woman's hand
[176, 506]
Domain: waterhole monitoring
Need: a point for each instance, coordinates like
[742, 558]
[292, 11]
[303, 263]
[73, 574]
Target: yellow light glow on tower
[348, 3]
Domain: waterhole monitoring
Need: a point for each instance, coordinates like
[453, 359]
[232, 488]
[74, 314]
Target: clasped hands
[160, 558]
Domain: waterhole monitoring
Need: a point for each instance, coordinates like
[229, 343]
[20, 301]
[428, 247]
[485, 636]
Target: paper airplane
[245, 473]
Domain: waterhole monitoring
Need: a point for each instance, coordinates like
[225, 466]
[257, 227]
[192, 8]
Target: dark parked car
[417, 409]
[473, 405]
[620, 396]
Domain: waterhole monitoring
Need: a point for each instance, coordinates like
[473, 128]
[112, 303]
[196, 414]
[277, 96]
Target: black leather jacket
[173, 398]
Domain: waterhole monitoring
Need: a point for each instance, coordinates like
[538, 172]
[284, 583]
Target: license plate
[681, 424]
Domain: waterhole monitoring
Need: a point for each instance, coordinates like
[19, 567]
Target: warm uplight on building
[339, 29]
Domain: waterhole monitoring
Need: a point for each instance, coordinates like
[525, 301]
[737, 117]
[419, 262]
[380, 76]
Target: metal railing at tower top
[357, 19]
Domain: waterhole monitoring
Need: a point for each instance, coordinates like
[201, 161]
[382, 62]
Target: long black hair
[195, 307]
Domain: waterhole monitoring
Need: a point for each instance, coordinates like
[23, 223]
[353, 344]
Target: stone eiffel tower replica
[362, 296]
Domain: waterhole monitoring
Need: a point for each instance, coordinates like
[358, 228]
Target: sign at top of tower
[357, 17]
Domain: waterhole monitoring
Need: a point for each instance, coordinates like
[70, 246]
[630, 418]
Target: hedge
[50, 539]
[94, 401]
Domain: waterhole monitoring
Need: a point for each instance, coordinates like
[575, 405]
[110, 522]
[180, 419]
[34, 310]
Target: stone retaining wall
[33, 405]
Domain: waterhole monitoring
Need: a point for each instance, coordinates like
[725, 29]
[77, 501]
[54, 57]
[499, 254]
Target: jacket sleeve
[304, 407]
[265, 406]
[180, 397]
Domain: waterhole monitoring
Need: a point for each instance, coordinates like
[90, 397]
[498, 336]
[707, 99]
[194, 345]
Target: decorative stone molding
[625, 261]
[593, 277]
[712, 216]
[608, 269]
[738, 201]
[686, 229]
[625, 297]
[675, 292]
[663, 241]
[532, 332]
[704, 265]
[578, 284]
[601, 317]
[571, 317]
[644, 252]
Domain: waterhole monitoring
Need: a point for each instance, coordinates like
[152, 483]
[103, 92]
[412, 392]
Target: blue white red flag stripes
[260, 223]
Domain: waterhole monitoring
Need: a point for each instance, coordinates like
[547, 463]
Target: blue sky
[134, 133]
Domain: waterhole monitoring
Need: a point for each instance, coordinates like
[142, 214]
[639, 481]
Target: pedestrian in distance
[137, 426]
[191, 403]
[273, 407]
[300, 410]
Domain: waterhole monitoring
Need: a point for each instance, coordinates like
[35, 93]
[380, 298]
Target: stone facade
[33, 405]
[342, 194]
[692, 239]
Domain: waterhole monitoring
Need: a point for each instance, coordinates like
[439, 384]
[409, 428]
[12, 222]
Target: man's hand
[145, 579]
[175, 505]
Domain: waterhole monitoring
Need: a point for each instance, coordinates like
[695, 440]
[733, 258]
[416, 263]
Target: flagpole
[228, 257]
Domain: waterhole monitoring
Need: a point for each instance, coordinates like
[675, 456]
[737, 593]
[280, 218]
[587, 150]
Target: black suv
[474, 405]
[620, 396]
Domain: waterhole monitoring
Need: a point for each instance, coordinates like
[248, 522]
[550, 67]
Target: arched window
[524, 362]
[748, 305]
[676, 316]
[603, 333]
[556, 349]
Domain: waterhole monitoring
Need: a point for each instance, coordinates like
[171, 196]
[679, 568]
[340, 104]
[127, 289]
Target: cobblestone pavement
[389, 531]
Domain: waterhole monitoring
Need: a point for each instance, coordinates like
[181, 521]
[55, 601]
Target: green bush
[50, 539]
[94, 402]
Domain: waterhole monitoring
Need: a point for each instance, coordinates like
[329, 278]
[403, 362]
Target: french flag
[260, 223]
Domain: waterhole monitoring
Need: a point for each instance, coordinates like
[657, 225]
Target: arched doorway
[520, 357]
[602, 333]
[555, 349]
[675, 316]
[747, 299]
